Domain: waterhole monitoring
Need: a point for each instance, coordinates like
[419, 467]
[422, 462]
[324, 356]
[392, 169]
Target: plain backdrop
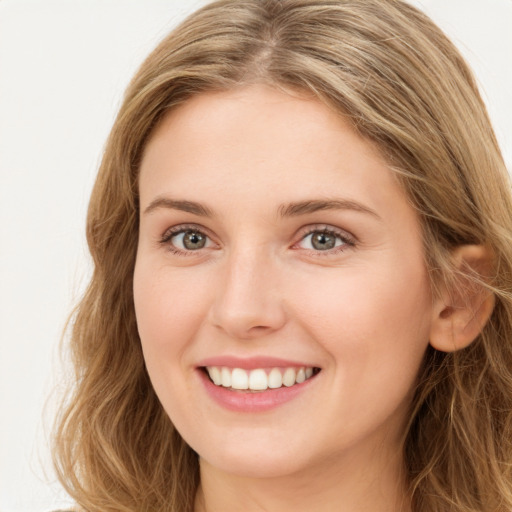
[63, 67]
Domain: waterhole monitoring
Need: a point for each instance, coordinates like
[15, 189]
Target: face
[281, 295]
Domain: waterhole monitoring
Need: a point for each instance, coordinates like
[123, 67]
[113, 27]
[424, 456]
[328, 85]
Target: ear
[461, 312]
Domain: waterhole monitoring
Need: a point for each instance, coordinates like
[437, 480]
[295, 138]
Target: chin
[248, 464]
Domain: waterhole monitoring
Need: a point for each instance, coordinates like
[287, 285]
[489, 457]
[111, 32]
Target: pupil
[323, 241]
[193, 240]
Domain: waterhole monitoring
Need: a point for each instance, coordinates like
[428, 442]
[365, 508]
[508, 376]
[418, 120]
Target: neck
[351, 485]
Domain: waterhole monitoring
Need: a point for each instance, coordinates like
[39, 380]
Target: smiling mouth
[258, 379]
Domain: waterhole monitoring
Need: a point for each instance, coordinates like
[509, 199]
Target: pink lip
[252, 363]
[251, 402]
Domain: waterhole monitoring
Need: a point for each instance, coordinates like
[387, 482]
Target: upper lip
[251, 363]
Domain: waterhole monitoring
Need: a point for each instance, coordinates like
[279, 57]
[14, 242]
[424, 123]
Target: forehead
[295, 113]
[259, 142]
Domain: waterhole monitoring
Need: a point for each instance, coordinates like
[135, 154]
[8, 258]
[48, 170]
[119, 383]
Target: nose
[248, 303]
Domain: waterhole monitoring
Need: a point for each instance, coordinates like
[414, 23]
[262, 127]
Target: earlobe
[463, 309]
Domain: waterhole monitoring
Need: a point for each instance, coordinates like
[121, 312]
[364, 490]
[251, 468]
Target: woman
[301, 299]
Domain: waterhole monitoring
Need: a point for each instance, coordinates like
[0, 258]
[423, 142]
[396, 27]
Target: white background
[63, 67]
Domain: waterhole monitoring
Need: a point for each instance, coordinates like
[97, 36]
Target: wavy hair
[402, 84]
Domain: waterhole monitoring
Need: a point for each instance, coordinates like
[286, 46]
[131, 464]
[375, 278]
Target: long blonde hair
[390, 71]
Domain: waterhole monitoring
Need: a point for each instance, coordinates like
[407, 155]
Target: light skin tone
[261, 176]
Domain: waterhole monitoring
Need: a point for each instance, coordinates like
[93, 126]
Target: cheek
[167, 304]
[374, 323]
[170, 308]
[364, 301]
[169, 312]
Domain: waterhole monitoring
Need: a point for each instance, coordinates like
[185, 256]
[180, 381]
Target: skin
[362, 313]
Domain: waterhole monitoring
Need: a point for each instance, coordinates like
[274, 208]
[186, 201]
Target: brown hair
[389, 70]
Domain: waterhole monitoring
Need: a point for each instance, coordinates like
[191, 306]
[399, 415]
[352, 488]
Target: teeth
[275, 379]
[216, 376]
[289, 377]
[258, 379]
[239, 379]
[225, 375]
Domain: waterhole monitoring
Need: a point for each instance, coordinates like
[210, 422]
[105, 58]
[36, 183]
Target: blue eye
[323, 240]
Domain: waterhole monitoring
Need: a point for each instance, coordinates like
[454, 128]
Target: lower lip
[248, 401]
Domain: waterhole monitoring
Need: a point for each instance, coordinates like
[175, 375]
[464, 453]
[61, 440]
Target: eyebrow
[295, 209]
[315, 205]
[176, 204]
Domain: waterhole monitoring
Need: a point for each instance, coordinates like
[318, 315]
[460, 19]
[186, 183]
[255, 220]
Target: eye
[189, 240]
[182, 239]
[324, 240]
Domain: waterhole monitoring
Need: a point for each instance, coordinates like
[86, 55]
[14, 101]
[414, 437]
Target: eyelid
[180, 228]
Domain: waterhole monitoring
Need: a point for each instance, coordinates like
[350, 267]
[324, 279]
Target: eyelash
[347, 240]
